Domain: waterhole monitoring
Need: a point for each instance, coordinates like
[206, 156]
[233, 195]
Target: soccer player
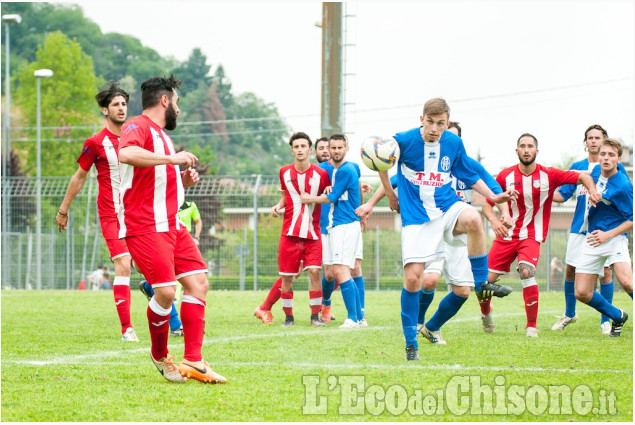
[593, 138]
[101, 150]
[606, 240]
[530, 215]
[344, 226]
[152, 190]
[432, 212]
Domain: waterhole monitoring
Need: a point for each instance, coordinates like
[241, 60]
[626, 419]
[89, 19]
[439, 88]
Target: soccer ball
[380, 154]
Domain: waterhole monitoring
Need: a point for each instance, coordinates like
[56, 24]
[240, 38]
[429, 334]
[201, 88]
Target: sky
[550, 68]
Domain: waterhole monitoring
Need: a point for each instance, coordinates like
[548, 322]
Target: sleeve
[561, 177]
[462, 168]
[88, 156]
[342, 183]
[196, 214]
[624, 200]
[133, 134]
[500, 179]
[393, 181]
[566, 191]
[325, 181]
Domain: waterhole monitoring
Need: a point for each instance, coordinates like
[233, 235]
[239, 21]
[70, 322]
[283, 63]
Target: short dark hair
[595, 127]
[154, 88]
[321, 139]
[614, 144]
[527, 135]
[299, 135]
[455, 124]
[338, 136]
[105, 96]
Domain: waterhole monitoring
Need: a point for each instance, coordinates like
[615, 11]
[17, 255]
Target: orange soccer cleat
[264, 315]
[200, 371]
[326, 314]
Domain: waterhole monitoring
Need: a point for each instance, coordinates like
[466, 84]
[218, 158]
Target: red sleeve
[88, 156]
[133, 134]
[560, 177]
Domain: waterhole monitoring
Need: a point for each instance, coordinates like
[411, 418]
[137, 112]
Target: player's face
[338, 150]
[301, 150]
[322, 151]
[172, 111]
[433, 126]
[609, 158]
[117, 110]
[594, 139]
[527, 150]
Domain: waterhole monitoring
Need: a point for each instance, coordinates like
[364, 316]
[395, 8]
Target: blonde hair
[614, 144]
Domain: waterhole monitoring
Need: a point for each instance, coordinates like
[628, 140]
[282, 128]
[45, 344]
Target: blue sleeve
[624, 200]
[359, 172]
[566, 191]
[485, 176]
[342, 183]
[462, 169]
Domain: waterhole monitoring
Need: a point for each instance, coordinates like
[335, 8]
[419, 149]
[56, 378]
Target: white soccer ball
[380, 154]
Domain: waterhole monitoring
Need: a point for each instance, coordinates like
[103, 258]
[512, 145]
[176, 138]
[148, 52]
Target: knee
[123, 265]
[461, 291]
[473, 223]
[412, 283]
[526, 271]
[357, 270]
[430, 281]
[583, 295]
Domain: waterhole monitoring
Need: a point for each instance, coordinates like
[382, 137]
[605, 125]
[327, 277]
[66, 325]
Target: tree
[67, 99]
[194, 72]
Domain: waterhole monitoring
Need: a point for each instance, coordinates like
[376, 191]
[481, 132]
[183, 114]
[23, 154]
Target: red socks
[121, 292]
[273, 296]
[530, 294]
[193, 318]
[315, 301]
[158, 323]
[287, 303]
[486, 306]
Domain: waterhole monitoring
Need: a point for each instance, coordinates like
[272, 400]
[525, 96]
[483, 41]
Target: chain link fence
[241, 251]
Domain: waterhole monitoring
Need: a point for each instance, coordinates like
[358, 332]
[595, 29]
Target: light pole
[39, 74]
[6, 140]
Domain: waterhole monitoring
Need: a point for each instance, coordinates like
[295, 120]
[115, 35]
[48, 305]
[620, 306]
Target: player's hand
[366, 188]
[327, 190]
[183, 158]
[189, 177]
[364, 211]
[275, 209]
[280, 190]
[595, 198]
[364, 224]
[499, 228]
[507, 221]
[508, 195]
[62, 221]
[597, 237]
[393, 202]
[196, 241]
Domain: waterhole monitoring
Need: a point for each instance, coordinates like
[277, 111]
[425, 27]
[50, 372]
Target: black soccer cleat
[288, 321]
[616, 326]
[489, 290]
[412, 353]
[143, 290]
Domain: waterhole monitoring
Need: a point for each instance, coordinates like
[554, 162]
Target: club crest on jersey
[445, 163]
[85, 149]
[537, 183]
[461, 185]
[129, 128]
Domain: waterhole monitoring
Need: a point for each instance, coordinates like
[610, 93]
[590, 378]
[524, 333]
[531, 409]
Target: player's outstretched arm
[75, 185]
[139, 157]
[365, 210]
[589, 183]
[483, 189]
[308, 199]
[498, 226]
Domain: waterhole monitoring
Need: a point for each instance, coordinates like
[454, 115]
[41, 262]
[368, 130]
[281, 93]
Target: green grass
[62, 360]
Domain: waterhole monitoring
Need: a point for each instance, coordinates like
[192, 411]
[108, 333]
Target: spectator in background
[188, 212]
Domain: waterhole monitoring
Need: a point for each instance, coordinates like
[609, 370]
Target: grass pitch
[62, 360]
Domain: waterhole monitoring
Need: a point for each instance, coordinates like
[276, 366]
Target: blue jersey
[465, 192]
[425, 189]
[326, 208]
[345, 195]
[580, 216]
[616, 205]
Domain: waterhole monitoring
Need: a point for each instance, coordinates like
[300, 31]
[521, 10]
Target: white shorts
[575, 243]
[344, 241]
[456, 265]
[594, 259]
[359, 254]
[422, 243]
[327, 253]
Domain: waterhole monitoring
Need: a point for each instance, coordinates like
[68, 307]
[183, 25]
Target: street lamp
[6, 140]
[39, 74]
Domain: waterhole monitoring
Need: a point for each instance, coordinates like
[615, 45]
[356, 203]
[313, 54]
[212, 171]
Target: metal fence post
[86, 229]
[548, 243]
[256, 188]
[243, 255]
[377, 258]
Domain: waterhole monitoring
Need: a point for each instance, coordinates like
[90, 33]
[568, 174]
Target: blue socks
[361, 290]
[327, 290]
[448, 307]
[479, 270]
[425, 299]
[569, 298]
[409, 313]
[606, 290]
[350, 295]
[600, 303]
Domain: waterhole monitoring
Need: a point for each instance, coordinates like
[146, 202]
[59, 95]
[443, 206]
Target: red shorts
[292, 250]
[110, 229]
[164, 257]
[503, 253]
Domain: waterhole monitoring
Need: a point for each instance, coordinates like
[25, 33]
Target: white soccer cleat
[168, 369]
[488, 323]
[130, 336]
[434, 337]
[606, 328]
[348, 323]
[532, 332]
[563, 321]
[362, 323]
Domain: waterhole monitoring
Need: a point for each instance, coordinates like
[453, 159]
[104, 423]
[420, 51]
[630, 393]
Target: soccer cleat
[489, 290]
[412, 353]
[130, 336]
[532, 332]
[616, 326]
[177, 332]
[564, 321]
[606, 328]
[363, 323]
[144, 290]
[168, 369]
[315, 320]
[288, 321]
[326, 314]
[420, 327]
[433, 337]
[200, 371]
[264, 315]
[488, 323]
[348, 323]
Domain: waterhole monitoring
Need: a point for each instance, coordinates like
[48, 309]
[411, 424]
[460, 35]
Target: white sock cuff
[154, 306]
[288, 303]
[121, 280]
[192, 300]
[528, 282]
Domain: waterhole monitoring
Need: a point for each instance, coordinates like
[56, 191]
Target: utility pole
[332, 117]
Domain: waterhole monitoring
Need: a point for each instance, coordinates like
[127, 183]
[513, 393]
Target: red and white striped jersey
[101, 150]
[150, 196]
[302, 220]
[532, 210]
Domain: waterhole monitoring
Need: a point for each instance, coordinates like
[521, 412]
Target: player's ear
[104, 111]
